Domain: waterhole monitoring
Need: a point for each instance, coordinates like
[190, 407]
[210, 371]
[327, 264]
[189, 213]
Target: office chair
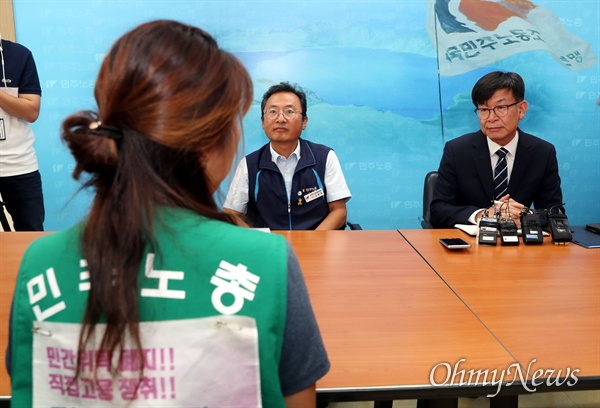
[354, 226]
[428, 188]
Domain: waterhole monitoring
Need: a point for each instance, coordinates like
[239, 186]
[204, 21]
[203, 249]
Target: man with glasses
[289, 183]
[499, 167]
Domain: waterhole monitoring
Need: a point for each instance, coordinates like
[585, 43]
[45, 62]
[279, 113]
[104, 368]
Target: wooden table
[391, 307]
[386, 317]
[540, 302]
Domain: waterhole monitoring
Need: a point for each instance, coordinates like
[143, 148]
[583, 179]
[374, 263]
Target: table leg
[505, 401]
[438, 403]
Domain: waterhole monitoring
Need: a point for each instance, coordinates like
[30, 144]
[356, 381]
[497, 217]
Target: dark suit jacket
[465, 179]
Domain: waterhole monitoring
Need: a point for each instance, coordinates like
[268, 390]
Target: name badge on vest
[314, 195]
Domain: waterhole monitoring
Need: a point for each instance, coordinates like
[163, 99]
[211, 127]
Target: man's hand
[510, 208]
[336, 218]
[506, 207]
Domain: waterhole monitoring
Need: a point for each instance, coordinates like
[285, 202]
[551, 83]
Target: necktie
[501, 174]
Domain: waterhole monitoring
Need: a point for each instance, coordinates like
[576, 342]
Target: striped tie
[501, 174]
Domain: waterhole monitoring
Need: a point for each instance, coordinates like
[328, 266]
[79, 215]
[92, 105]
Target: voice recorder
[531, 227]
[487, 232]
[559, 225]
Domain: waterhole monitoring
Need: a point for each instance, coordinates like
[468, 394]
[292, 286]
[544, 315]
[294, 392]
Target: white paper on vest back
[205, 362]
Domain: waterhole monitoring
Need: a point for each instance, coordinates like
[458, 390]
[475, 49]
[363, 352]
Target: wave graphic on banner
[470, 34]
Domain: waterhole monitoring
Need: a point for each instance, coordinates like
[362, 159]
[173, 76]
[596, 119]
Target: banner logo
[454, 375]
[470, 34]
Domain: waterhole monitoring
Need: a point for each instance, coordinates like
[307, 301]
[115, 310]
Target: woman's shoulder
[53, 250]
[188, 226]
[56, 241]
[249, 236]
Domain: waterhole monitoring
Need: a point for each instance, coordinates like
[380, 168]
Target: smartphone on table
[454, 243]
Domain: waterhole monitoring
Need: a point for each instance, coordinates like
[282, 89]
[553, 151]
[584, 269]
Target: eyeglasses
[287, 113]
[500, 111]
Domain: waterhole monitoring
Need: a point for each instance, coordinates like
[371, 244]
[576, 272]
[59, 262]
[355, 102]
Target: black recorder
[531, 228]
[509, 232]
[559, 226]
[487, 231]
[508, 228]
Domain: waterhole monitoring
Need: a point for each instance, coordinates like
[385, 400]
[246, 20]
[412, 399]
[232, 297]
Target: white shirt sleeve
[335, 183]
[237, 196]
[472, 217]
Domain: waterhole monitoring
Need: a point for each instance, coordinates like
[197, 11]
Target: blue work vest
[269, 205]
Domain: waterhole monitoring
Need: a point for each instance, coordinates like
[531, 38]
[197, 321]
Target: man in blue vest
[289, 183]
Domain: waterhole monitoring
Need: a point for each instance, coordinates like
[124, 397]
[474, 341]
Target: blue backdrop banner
[388, 82]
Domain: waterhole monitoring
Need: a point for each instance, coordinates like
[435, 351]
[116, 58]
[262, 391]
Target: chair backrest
[428, 188]
[354, 226]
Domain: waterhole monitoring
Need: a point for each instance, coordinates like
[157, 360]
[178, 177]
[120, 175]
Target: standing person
[20, 180]
[157, 298]
[500, 163]
[289, 183]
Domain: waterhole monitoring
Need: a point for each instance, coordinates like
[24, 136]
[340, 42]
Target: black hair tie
[111, 132]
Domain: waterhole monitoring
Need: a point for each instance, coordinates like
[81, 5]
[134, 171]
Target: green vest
[189, 278]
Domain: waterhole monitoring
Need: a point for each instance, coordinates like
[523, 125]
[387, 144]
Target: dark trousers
[22, 195]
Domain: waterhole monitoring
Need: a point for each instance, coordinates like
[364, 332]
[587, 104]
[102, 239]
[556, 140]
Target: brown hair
[166, 93]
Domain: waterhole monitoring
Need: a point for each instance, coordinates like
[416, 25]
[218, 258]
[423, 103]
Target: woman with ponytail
[158, 298]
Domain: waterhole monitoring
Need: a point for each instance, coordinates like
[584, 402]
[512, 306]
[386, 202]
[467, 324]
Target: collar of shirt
[510, 156]
[275, 156]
